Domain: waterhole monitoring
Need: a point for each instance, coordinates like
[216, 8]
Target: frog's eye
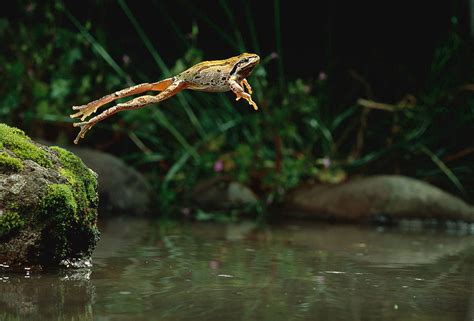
[245, 60]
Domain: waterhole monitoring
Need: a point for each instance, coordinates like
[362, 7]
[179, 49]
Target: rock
[395, 197]
[48, 203]
[122, 189]
[222, 193]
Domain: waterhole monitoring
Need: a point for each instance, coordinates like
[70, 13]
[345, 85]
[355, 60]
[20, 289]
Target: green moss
[59, 204]
[82, 181]
[10, 164]
[70, 177]
[66, 233]
[18, 143]
[60, 213]
[10, 222]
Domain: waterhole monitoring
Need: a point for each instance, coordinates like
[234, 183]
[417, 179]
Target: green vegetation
[70, 209]
[59, 211]
[10, 222]
[304, 131]
[18, 143]
[59, 204]
[8, 163]
[81, 180]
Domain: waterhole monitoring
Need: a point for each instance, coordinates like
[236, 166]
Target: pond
[155, 270]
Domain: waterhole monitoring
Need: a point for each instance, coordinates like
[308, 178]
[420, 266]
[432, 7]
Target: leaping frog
[209, 76]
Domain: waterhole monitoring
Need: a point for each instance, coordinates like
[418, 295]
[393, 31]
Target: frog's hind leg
[136, 103]
[85, 110]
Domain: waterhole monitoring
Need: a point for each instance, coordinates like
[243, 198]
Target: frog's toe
[254, 105]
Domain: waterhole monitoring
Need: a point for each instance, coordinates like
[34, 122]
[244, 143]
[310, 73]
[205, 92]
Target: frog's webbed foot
[248, 98]
[240, 93]
[85, 127]
[85, 111]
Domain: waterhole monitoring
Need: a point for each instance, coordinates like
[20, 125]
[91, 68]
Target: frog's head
[244, 64]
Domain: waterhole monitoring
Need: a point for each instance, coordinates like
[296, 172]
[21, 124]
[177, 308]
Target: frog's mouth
[246, 71]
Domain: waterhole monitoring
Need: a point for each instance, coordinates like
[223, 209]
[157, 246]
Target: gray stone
[122, 189]
[222, 193]
[363, 199]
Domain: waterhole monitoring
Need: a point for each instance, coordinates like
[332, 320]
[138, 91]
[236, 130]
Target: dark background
[391, 43]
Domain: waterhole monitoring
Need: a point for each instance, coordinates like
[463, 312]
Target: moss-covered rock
[82, 181]
[9, 163]
[19, 144]
[48, 203]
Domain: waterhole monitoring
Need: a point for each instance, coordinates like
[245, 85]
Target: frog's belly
[209, 87]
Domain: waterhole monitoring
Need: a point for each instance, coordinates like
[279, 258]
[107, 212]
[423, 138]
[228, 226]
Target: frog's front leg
[240, 93]
[245, 83]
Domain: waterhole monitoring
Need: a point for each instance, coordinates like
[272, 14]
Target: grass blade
[146, 41]
[169, 18]
[343, 116]
[163, 120]
[445, 169]
[238, 35]
[161, 64]
[278, 40]
[99, 49]
[217, 29]
[250, 23]
[186, 155]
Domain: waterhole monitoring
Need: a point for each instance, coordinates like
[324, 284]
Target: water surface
[147, 270]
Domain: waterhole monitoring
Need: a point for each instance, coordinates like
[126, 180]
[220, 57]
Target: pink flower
[322, 76]
[30, 7]
[218, 166]
[326, 162]
[126, 59]
[213, 264]
[320, 279]
[273, 55]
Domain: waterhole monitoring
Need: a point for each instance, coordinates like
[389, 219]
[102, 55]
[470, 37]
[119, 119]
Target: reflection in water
[66, 295]
[144, 270]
